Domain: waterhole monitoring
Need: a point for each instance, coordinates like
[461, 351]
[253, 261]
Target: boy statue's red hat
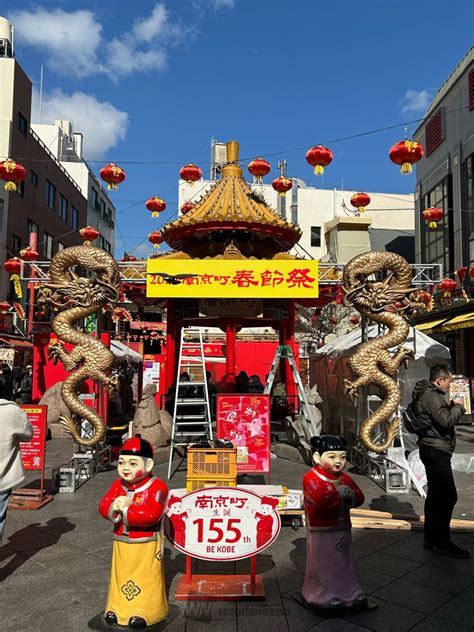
[136, 446]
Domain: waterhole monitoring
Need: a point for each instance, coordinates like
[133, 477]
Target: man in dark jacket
[437, 445]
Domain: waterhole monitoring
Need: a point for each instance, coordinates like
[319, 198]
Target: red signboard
[245, 420]
[221, 523]
[32, 453]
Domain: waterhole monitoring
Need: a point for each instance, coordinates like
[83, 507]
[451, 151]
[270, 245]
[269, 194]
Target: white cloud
[102, 125]
[416, 100]
[70, 40]
[147, 29]
[123, 60]
[223, 4]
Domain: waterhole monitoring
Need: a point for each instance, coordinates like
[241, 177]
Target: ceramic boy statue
[135, 504]
[331, 585]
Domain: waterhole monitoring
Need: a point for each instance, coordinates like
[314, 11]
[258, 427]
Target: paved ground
[54, 568]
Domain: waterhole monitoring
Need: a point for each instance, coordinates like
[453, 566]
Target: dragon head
[378, 296]
[83, 292]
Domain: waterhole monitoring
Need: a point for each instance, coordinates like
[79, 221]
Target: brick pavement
[54, 570]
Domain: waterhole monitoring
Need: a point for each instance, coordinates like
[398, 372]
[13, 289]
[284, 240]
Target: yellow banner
[244, 278]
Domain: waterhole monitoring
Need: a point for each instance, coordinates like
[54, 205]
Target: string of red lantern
[113, 175]
[406, 153]
[360, 201]
[12, 173]
[282, 185]
[156, 205]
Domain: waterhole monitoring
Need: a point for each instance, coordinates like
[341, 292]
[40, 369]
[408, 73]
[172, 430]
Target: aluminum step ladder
[191, 412]
[284, 352]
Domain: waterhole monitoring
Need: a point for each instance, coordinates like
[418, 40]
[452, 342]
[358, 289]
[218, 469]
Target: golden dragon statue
[76, 297]
[385, 301]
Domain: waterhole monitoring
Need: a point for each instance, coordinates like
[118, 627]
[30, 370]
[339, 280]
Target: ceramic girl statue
[135, 504]
[331, 585]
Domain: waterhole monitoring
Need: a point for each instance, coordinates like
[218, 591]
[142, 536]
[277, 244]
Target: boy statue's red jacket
[141, 519]
[328, 499]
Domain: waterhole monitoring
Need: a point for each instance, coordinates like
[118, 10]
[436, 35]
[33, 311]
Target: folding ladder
[284, 352]
[191, 412]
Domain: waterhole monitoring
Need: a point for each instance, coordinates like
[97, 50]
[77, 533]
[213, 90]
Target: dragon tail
[80, 411]
[366, 429]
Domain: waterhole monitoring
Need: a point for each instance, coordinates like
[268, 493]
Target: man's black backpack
[414, 424]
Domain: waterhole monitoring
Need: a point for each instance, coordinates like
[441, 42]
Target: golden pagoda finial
[232, 167]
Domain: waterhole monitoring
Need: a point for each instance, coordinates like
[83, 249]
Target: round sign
[221, 523]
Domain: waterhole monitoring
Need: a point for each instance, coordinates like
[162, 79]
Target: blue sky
[152, 82]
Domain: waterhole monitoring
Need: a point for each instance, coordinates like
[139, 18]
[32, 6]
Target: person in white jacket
[14, 427]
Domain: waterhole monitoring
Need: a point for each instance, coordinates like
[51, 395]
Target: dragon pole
[75, 297]
[386, 302]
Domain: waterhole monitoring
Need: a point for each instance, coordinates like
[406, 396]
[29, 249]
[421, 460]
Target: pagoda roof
[231, 210]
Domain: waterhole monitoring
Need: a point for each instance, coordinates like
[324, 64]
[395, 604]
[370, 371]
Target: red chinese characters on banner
[245, 420]
[32, 453]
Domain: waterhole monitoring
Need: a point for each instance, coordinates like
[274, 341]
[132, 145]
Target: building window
[294, 203]
[434, 132]
[95, 199]
[316, 236]
[103, 209]
[20, 188]
[107, 246]
[63, 204]
[22, 124]
[101, 242]
[61, 246]
[33, 177]
[471, 90]
[439, 243]
[74, 217]
[50, 195]
[16, 244]
[32, 227]
[47, 246]
[281, 206]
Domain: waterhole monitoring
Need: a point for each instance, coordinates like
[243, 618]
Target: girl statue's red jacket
[328, 499]
[140, 521]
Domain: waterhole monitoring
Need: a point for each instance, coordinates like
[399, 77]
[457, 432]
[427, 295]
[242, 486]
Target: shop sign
[460, 392]
[245, 420]
[247, 278]
[230, 307]
[7, 354]
[32, 452]
[221, 523]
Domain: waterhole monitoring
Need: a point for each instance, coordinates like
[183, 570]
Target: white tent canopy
[123, 352]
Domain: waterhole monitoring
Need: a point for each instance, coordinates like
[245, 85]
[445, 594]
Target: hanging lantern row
[360, 201]
[156, 205]
[319, 157]
[12, 173]
[406, 153]
[13, 267]
[156, 238]
[191, 173]
[432, 216]
[113, 175]
[282, 185]
[187, 206]
[259, 168]
[29, 254]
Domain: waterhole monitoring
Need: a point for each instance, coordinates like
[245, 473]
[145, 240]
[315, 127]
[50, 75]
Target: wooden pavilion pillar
[230, 335]
[170, 345]
[290, 341]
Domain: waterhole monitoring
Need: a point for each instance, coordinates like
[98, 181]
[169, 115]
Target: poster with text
[32, 452]
[245, 420]
[460, 392]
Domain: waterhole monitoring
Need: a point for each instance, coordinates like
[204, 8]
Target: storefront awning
[15, 342]
[430, 325]
[459, 322]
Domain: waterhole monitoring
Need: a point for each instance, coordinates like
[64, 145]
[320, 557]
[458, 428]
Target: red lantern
[432, 216]
[282, 185]
[360, 201]
[156, 238]
[319, 157]
[29, 254]
[424, 297]
[127, 257]
[191, 173]
[355, 320]
[13, 267]
[156, 205]
[406, 153]
[12, 172]
[4, 307]
[88, 234]
[259, 168]
[19, 310]
[447, 286]
[186, 207]
[113, 175]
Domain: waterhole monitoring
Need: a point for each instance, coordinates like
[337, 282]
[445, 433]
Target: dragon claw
[350, 389]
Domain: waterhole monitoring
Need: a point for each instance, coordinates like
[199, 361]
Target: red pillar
[290, 341]
[230, 347]
[281, 342]
[170, 345]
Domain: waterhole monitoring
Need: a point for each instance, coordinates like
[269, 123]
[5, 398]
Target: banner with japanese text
[245, 420]
[32, 452]
[239, 278]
